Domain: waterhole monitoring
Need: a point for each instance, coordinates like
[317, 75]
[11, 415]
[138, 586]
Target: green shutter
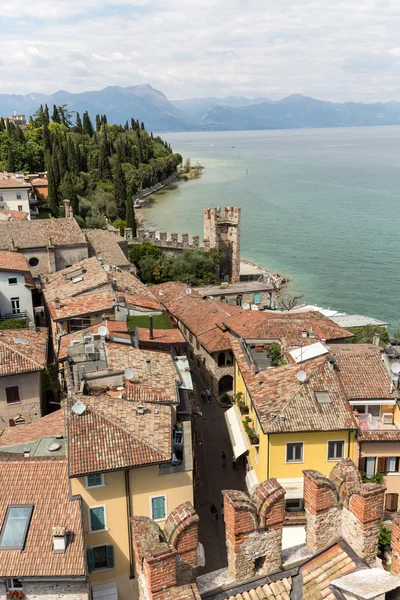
[90, 560]
[110, 556]
[95, 479]
[97, 518]
[158, 507]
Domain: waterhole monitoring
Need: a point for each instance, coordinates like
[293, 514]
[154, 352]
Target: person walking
[223, 458]
[208, 395]
[203, 395]
[214, 513]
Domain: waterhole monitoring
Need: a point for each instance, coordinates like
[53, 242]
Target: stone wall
[55, 590]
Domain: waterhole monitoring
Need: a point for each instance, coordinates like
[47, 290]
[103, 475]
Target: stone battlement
[163, 239]
[226, 213]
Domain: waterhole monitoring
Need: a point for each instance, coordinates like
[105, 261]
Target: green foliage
[365, 335]
[48, 382]
[226, 399]
[13, 324]
[377, 478]
[385, 538]
[159, 322]
[275, 352]
[249, 429]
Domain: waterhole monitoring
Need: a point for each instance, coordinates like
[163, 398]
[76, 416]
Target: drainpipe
[151, 336]
[129, 515]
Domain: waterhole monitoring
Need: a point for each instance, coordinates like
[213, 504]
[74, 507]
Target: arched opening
[225, 384]
[229, 359]
[221, 359]
[239, 300]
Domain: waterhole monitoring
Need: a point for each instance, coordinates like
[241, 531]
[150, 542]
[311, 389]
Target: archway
[225, 384]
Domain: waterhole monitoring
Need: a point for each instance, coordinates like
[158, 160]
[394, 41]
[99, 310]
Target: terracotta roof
[40, 181]
[200, 316]
[163, 377]
[181, 592]
[275, 590]
[138, 393]
[286, 327]
[163, 336]
[362, 372]
[36, 234]
[107, 245]
[111, 435]
[277, 392]
[13, 215]
[119, 328]
[319, 572]
[81, 305]
[60, 284]
[14, 261]
[128, 283]
[53, 424]
[17, 357]
[12, 182]
[381, 435]
[141, 301]
[43, 484]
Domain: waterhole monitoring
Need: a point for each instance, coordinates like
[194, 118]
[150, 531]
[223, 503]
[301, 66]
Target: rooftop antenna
[301, 376]
[103, 330]
[129, 373]
[188, 291]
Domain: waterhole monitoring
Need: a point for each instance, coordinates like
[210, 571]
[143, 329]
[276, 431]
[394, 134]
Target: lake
[320, 206]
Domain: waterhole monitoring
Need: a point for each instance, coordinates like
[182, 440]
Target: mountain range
[159, 114]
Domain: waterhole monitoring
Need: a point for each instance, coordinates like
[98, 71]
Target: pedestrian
[203, 395]
[223, 458]
[208, 395]
[214, 513]
[234, 465]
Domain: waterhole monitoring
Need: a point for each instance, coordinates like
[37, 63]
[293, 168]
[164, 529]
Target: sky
[341, 50]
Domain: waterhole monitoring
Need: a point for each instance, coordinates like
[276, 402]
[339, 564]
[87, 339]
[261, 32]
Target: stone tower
[222, 231]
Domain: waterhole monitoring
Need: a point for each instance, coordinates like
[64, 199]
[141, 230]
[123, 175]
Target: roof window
[21, 341]
[15, 527]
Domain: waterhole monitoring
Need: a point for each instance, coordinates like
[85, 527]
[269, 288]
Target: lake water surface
[321, 206]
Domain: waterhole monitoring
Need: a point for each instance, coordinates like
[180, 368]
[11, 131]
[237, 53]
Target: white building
[17, 194]
[16, 284]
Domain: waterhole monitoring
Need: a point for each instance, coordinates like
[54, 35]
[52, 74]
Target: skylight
[21, 341]
[323, 397]
[15, 527]
[308, 352]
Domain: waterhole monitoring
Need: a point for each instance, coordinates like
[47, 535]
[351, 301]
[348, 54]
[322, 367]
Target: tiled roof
[50, 425]
[38, 181]
[128, 283]
[319, 572]
[12, 215]
[164, 336]
[181, 592]
[81, 305]
[37, 233]
[378, 436]
[138, 393]
[277, 393]
[12, 182]
[107, 245]
[111, 435]
[141, 301]
[163, 377]
[119, 328]
[59, 285]
[43, 484]
[275, 590]
[362, 372]
[17, 357]
[199, 316]
[13, 261]
[287, 327]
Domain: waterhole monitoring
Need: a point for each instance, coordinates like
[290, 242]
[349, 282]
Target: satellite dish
[129, 373]
[161, 293]
[78, 408]
[103, 330]
[188, 291]
[395, 368]
[301, 376]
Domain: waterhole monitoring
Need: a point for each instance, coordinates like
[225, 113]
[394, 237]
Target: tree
[130, 215]
[52, 197]
[187, 165]
[120, 188]
[10, 160]
[288, 303]
[87, 127]
[366, 335]
[2, 124]
[68, 192]
[78, 124]
[98, 123]
[55, 117]
[104, 163]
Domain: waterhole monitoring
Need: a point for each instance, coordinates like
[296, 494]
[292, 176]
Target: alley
[212, 477]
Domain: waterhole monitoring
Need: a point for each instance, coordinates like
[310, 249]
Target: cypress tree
[78, 125]
[10, 160]
[87, 124]
[55, 117]
[120, 188]
[2, 124]
[46, 115]
[52, 197]
[142, 126]
[46, 137]
[140, 151]
[130, 213]
[98, 123]
[104, 164]
[68, 191]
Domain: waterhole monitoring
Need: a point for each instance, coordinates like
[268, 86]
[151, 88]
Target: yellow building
[126, 458]
[287, 423]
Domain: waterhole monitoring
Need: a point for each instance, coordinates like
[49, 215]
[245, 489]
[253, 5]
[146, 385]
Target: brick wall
[395, 544]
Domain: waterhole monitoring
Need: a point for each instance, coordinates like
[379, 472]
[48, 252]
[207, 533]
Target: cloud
[335, 51]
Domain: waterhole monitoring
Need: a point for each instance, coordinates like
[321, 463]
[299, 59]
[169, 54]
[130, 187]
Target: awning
[105, 591]
[239, 441]
[251, 480]
[294, 487]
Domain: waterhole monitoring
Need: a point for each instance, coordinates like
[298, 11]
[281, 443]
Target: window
[158, 508]
[13, 585]
[370, 466]
[221, 359]
[100, 557]
[257, 298]
[33, 262]
[336, 450]
[256, 455]
[15, 306]
[294, 504]
[294, 452]
[12, 281]
[15, 527]
[19, 197]
[375, 411]
[19, 420]
[96, 480]
[20, 207]
[97, 518]
[393, 464]
[12, 395]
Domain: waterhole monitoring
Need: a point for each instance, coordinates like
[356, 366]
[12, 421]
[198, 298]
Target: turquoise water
[321, 206]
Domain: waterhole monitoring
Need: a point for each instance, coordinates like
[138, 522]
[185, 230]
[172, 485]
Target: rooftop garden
[159, 322]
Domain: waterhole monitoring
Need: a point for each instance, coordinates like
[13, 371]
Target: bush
[226, 399]
[13, 324]
[365, 335]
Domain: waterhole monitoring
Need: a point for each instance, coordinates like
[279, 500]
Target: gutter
[129, 515]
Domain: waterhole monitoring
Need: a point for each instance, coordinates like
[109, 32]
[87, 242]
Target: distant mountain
[140, 102]
[159, 114]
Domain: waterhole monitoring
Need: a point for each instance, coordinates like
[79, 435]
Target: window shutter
[90, 560]
[97, 518]
[382, 465]
[110, 556]
[391, 501]
[158, 507]
[361, 464]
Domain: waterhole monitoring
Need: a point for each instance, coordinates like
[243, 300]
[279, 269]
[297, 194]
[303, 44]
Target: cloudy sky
[341, 50]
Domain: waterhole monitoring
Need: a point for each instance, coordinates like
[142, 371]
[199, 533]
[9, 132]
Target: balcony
[18, 315]
[369, 422]
[32, 198]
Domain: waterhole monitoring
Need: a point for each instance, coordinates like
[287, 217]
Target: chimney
[113, 283]
[67, 208]
[57, 304]
[331, 363]
[376, 339]
[253, 370]
[254, 529]
[148, 366]
[151, 336]
[395, 545]
[304, 333]
[59, 539]
[32, 326]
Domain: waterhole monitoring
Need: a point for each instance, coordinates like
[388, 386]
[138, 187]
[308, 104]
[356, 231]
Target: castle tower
[222, 231]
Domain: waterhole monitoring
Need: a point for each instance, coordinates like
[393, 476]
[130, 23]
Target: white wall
[8, 199]
[31, 391]
[18, 290]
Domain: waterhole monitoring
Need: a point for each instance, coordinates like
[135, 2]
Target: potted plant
[14, 594]
[244, 409]
[226, 400]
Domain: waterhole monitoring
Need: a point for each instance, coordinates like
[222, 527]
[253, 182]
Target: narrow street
[212, 439]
